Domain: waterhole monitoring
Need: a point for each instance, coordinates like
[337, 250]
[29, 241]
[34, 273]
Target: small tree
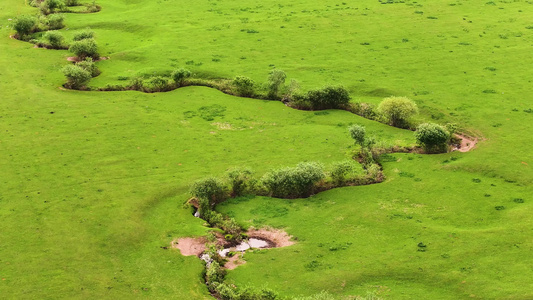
[77, 77]
[54, 38]
[276, 80]
[180, 75]
[244, 86]
[24, 25]
[357, 132]
[85, 48]
[432, 137]
[397, 110]
[85, 34]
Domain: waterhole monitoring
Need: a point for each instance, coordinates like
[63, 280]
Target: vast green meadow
[93, 184]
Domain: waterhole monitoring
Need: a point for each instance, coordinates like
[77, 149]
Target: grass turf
[92, 191]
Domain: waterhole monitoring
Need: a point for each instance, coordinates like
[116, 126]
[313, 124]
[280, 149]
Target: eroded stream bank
[234, 253]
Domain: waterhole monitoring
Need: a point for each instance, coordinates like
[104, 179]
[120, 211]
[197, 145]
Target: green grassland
[93, 183]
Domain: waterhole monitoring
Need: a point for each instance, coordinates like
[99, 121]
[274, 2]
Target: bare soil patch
[278, 238]
[190, 246]
[235, 261]
[467, 143]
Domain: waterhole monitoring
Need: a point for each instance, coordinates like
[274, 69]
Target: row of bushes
[431, 137]
[25, 25]
[394, 111]
[299, 181]
[47, 7]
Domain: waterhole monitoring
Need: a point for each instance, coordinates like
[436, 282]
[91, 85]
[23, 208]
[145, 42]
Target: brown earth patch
[190, 246]
[278, 238]
[467, 143]
[235, 261]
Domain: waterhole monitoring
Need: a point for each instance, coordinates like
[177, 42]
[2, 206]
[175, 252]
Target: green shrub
[244, 86]
[89, 65]
[325, 98]
[366, 110]
[77, 77]
[276, 80]
[72, 2]
[343, 171]
[85, 34]
[240, 180]
[156, 84]
[211, 189]
[232, 229]
[54, 38]
[55, 21]
[374, 173]
[398, 110]
[51, 6]
[328, 97]
[180, 75]
[215, 274]
[85, 48]
[24, 25]
[357, 132]
[432, 137]
[291, 90]
[227, 292]
[293, 182]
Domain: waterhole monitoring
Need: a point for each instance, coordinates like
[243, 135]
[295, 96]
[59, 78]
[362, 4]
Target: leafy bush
[374, 173]
[72, 2]
[85, 48]
[240, 180]
[77, 77]
[432, 137]
[54, 38]
[214, 274]
[276, 80]
[328, 97]
[51, 6]
[180, 75]
[357, 132]
[24, 25]
[366, 110]
[244, 86]
[397, 110]
[88, 64]
[156, 84]
[211, 189]
[227, 292]
[342, 172]
[291, 90]
[55, 21]
[293, 182]
[85, 34]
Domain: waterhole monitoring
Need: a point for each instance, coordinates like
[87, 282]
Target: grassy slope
[91, 192]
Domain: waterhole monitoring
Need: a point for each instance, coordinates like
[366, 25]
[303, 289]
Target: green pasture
[93, 183]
